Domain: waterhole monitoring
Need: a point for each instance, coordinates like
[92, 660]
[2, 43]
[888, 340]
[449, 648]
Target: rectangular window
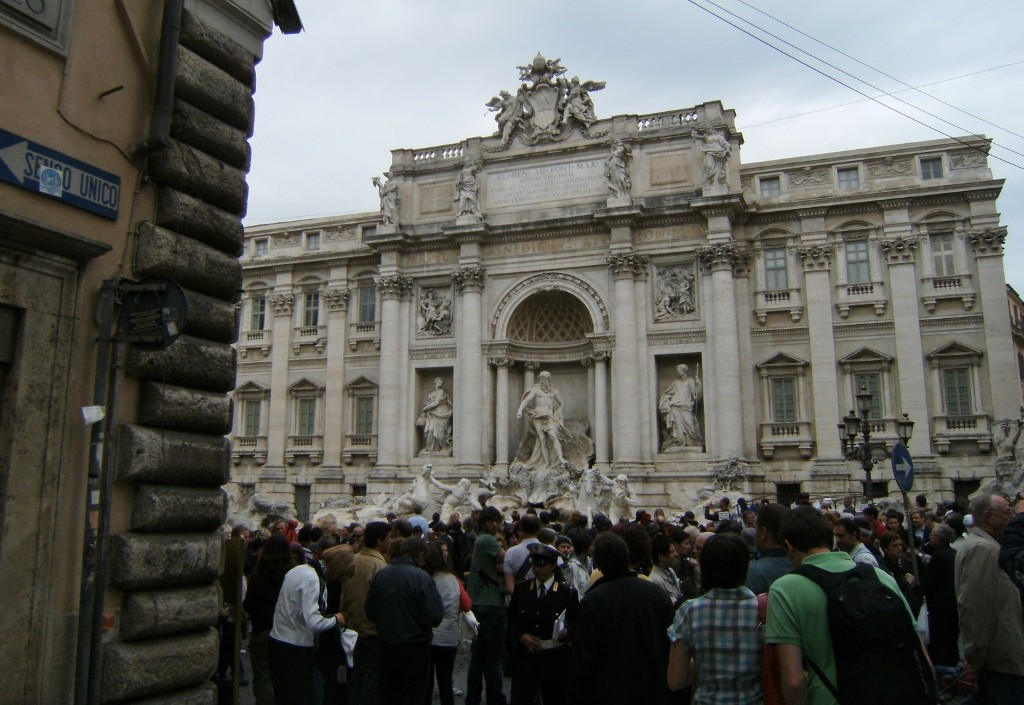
[367, 303]
[771, 186]
[312, 241]
[957, 381]
[307, 417]
[364, 416]
[942, 254]
[858, 270]
[258, 313]
[260, 247]
[775, 276]
[311, 309]
[849, 177]
[784, 408]
[873, 382]
[931, 168]
[251, 418]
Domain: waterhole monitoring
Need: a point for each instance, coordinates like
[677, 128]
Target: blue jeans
[486, 656]
[997, 688]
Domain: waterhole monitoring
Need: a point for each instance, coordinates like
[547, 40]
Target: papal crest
[546, 107]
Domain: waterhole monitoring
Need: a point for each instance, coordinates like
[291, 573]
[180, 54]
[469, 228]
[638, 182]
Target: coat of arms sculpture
[546, 107]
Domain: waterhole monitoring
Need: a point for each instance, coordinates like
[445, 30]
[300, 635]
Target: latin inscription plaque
[547, 184]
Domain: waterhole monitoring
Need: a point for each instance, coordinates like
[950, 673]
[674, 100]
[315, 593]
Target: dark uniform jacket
[529, 615]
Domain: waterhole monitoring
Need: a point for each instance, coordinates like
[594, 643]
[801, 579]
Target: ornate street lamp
[865, 451]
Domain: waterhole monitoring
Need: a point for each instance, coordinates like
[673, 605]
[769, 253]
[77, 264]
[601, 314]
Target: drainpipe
[163, 102]
[97, 446]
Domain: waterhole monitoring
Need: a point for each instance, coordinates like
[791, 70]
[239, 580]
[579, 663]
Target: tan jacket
[355, 588]
[991, 625]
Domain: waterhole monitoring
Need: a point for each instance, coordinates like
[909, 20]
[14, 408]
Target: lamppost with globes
[854, 424]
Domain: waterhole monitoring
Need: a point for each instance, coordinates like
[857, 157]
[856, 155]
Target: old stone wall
[174, 457]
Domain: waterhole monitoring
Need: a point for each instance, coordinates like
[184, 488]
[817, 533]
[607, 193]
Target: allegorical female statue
[678, 408]
[436, 421]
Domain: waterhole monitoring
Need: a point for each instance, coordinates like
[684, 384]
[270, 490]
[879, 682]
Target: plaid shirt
[721, 630]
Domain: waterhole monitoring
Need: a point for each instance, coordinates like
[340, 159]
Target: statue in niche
[616, 170]
[436, 421]
[388, 192]
[456, 496]
[468, 187]
[716, 154]
[543, 406]
[435, 317]
[675, 293]
[678, 406]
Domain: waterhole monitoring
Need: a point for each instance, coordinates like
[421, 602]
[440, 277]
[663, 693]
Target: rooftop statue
[546, 107]
[388, 192]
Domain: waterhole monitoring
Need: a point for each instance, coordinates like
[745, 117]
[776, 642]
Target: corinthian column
[337, 332]
[391, 288]
[626, 428]
[502, 411]
[469, 424]
[817, 263]
[987, 246]
[724, 337]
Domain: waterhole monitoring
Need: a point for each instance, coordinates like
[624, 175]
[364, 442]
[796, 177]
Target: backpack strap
[828, 581]
[524, 568]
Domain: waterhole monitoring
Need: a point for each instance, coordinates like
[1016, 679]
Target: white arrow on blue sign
[902, 467]
[37, 168]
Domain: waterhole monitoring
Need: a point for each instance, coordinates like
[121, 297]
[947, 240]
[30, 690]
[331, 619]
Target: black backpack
[879, 657]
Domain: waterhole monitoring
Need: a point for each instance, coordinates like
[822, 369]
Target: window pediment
[781, 362]
[362, 384]
[251, 387]
[305, 385]
[866, 356]
[954, 352]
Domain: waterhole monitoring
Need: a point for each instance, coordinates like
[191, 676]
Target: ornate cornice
[469, 279]
[393, 285]
[630, 265]
[727, 255]
[817, 258]
[900, 250]
[989, 242]
[679, 337]
[283, 304]
[337, 299]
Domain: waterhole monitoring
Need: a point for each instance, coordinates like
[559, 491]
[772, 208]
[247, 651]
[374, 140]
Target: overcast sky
[366, 78]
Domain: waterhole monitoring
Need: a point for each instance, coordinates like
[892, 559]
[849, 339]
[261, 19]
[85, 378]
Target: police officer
[540, 619]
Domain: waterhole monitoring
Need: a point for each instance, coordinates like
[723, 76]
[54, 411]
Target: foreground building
[123, 153]
[704, 322]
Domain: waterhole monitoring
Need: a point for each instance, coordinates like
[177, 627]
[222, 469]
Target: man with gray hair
[991, 623]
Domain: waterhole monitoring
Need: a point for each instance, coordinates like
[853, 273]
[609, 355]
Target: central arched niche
[553, 326]
[548, 317]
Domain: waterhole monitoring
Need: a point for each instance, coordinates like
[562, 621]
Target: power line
[861, 100]
[846, 85]
[889, 76]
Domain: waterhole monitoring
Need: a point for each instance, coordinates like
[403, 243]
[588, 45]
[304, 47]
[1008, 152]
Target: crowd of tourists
[817, 603]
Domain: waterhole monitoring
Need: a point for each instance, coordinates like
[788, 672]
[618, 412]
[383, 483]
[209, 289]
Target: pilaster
[625, 268]
[987, 246]
[470, 411]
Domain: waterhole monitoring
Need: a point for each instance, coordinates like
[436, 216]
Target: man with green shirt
[797, 610]
[485, 585]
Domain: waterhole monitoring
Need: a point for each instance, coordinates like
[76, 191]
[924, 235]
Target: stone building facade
[700, 318]
[123, 155]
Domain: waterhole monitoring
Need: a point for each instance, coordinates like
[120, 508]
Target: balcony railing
[311, 447]
[254, 447]
[786, 434]
[788, 300]
[849, 296]
[363, 444]
[971, 428]
[935, 289]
